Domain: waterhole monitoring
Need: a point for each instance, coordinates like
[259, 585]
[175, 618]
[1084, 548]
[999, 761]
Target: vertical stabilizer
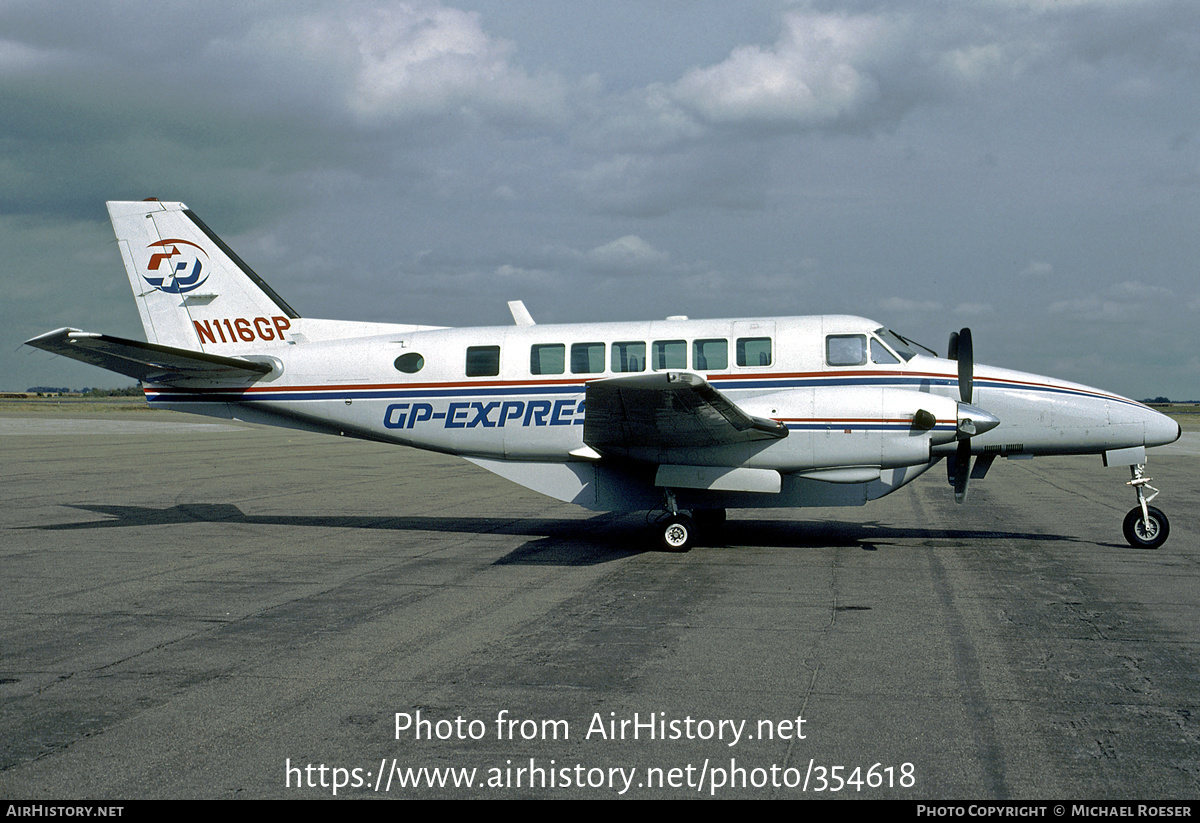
[192, 291]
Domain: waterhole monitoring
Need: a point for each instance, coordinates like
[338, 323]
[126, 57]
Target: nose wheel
[1145, 527]
[1146, 530]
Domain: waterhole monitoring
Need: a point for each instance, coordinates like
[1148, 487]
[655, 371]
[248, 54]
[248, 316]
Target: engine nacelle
[855, 430]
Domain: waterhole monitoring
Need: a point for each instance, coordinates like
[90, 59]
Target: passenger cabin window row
[702, 354]
[627, 356]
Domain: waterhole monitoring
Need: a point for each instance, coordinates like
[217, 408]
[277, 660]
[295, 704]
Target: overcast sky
[1028, 168]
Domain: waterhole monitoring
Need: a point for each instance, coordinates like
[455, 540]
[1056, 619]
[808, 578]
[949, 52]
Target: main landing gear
[1145, 526]
[678, 532]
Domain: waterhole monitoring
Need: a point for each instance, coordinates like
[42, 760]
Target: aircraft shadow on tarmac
[598, 539]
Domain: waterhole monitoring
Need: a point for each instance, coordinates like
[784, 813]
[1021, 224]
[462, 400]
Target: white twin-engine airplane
[674, 415]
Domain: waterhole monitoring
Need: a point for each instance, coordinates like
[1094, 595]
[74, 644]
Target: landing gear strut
[1145, 526]
[676, 532]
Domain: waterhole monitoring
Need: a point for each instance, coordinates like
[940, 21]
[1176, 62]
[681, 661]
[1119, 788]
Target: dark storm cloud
[1027, 167]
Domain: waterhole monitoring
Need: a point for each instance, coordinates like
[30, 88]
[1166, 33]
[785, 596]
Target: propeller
[964, 353]
[971, 420]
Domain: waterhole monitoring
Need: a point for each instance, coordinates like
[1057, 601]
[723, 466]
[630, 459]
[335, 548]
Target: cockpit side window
[846, 349]
[881, 355]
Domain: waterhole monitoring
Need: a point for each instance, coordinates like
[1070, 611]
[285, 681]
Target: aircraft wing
[145, 361]
[667, 410]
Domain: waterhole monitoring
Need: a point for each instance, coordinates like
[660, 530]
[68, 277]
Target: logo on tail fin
[172, 264]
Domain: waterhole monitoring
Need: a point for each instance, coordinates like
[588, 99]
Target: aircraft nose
[1160, 429]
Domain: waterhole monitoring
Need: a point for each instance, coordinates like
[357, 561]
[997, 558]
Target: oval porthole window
[410, 363]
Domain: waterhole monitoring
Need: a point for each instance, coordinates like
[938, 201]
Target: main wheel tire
[1145, 533]
[677, 533]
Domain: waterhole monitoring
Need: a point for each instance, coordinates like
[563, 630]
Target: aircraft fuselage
[845, 390]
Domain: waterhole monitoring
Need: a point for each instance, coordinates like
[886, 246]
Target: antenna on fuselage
[521, 315]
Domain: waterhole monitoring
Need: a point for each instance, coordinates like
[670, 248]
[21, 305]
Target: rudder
[192, 291]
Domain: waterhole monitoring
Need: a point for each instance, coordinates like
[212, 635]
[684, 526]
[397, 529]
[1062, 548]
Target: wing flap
[666, 410]
[150, 362]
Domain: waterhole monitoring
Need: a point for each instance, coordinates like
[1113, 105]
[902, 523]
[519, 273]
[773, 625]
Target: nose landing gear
[1145, 526]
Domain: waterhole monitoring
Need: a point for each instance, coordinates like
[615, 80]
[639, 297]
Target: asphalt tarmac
[205, 610]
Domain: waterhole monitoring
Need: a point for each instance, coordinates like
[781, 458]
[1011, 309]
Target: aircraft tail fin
[193, 292]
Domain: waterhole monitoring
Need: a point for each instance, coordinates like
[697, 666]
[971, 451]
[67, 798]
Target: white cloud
[629, 255]
[539, 281]
[649, 184]
[1128, 301]
[1088, 308]
[973, 64]
[973, 309]
[21, 57]
[813, 74]
[1058, 5]
[383, 62]
[1137, 291]
[904, 304]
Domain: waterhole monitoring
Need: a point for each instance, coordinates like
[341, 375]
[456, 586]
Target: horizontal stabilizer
[150, 362]
[667, 410]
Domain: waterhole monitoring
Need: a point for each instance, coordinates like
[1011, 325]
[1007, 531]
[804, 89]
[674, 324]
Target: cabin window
[846, 349]
[754, 351]
[627, 357]
[410, 363]
[710, 355]
[587, 358]
[670, 354]
[483, 361]
[549, 358]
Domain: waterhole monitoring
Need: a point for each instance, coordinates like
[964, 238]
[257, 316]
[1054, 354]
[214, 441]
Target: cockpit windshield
[896, 343]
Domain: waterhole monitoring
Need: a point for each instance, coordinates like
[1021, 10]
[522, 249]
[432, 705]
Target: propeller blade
[971, 420]
[962, 470]
[966, 365]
